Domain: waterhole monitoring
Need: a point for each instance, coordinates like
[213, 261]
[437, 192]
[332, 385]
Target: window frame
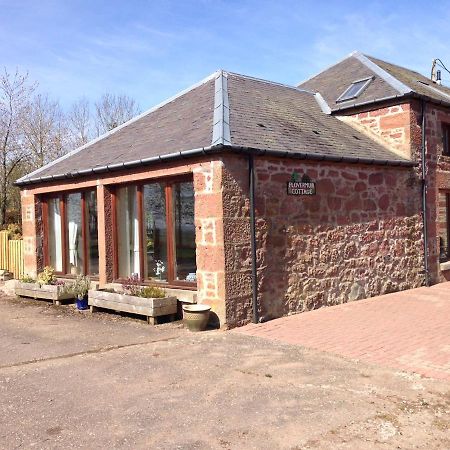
[167, 182]
[62, 196]
[342, 97]
[445, 128]
[447, 218]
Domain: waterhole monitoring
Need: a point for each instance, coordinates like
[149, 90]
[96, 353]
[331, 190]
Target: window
[54, 235]
[71, 233]
[444, 226]
[355, 89]
[446, 139]
[155, 237]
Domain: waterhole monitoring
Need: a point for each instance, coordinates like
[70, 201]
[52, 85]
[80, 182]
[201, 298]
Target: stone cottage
[262, 199]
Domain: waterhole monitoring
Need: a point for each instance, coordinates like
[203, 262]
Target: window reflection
[155, 231]
[92, 231]
[184, 228]
[74, 234]
[128, 232]
[55, 234]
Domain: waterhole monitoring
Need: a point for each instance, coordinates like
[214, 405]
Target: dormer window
[354, 90]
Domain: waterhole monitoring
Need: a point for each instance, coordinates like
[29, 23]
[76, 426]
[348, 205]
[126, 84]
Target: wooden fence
[11, 255]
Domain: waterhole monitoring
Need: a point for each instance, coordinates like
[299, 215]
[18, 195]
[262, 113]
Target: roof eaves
[400, 87]
[217, 149]
[115, 130]
[221, 120]
[351, 105]
[125, 165]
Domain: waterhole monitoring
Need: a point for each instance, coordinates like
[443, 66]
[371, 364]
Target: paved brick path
[407, 330]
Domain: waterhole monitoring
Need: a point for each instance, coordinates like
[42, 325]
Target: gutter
[424, 197]
[214, 149]
[375, 101]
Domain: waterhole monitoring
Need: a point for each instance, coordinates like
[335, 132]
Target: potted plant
[196, 316]
[46, 286]
[150, 301]
[79, 289]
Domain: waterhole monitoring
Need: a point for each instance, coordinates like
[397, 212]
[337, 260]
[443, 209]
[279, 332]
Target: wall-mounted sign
[301, 186]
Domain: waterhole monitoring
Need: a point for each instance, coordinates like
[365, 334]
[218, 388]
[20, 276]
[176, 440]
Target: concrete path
[407, 330]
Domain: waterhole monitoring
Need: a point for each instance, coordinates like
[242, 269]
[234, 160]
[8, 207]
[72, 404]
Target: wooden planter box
[150, 307]
[44, 291]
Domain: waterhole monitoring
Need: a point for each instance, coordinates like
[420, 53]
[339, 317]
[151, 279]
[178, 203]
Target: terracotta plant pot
[196, 317]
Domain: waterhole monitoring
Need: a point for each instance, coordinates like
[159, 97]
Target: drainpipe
[251, 176]
[424, 197]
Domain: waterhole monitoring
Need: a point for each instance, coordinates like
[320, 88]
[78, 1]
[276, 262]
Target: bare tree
[15, 91]
[44, 129]
[79, 122]
[113, 110]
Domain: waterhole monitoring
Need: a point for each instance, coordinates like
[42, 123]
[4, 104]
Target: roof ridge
[274, 83]
[383, 74]
[123, 125]
[221, 119]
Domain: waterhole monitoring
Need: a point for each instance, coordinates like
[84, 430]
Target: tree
[79, 122]
[44, 130]
[113, 110]
[15, 91]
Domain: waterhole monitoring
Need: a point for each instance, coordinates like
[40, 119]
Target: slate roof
[388, 81]
[224, 112]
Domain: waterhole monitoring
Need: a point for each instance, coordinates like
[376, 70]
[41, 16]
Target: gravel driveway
[76, 380]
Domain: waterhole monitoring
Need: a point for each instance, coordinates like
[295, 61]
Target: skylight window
[355, 89]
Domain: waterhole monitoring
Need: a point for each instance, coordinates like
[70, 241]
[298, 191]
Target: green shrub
[152, 292]
[14, 230]
[47, 276]
[79, 287]
[27, 279]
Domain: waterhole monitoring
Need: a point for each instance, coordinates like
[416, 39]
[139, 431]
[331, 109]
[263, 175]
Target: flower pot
[196, 317]
[82, 303]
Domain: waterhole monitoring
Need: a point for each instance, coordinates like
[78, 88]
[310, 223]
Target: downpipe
[424, 197]
[251, 177]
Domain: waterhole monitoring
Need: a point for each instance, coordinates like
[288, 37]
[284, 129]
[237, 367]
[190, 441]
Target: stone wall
[31, 230]
[210, 238]
[438, 181]
[391, 126]
[236, 225]
[359, 236]
[399, 128]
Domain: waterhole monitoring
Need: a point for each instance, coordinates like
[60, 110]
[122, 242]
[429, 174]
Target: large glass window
[128, 231]
[155, 232]
[91, 231]
[71, 233]
[54, 234]
[183, 203]
[74, 227]
[444, 226]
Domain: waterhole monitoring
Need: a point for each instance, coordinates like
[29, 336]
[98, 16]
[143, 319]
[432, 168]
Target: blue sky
[150, 50]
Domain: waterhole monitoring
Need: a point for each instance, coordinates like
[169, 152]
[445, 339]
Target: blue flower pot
[82, 303]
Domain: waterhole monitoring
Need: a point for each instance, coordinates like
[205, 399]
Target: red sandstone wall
[399, 127]
[360, 236]
[439, 179]
[390, 126]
